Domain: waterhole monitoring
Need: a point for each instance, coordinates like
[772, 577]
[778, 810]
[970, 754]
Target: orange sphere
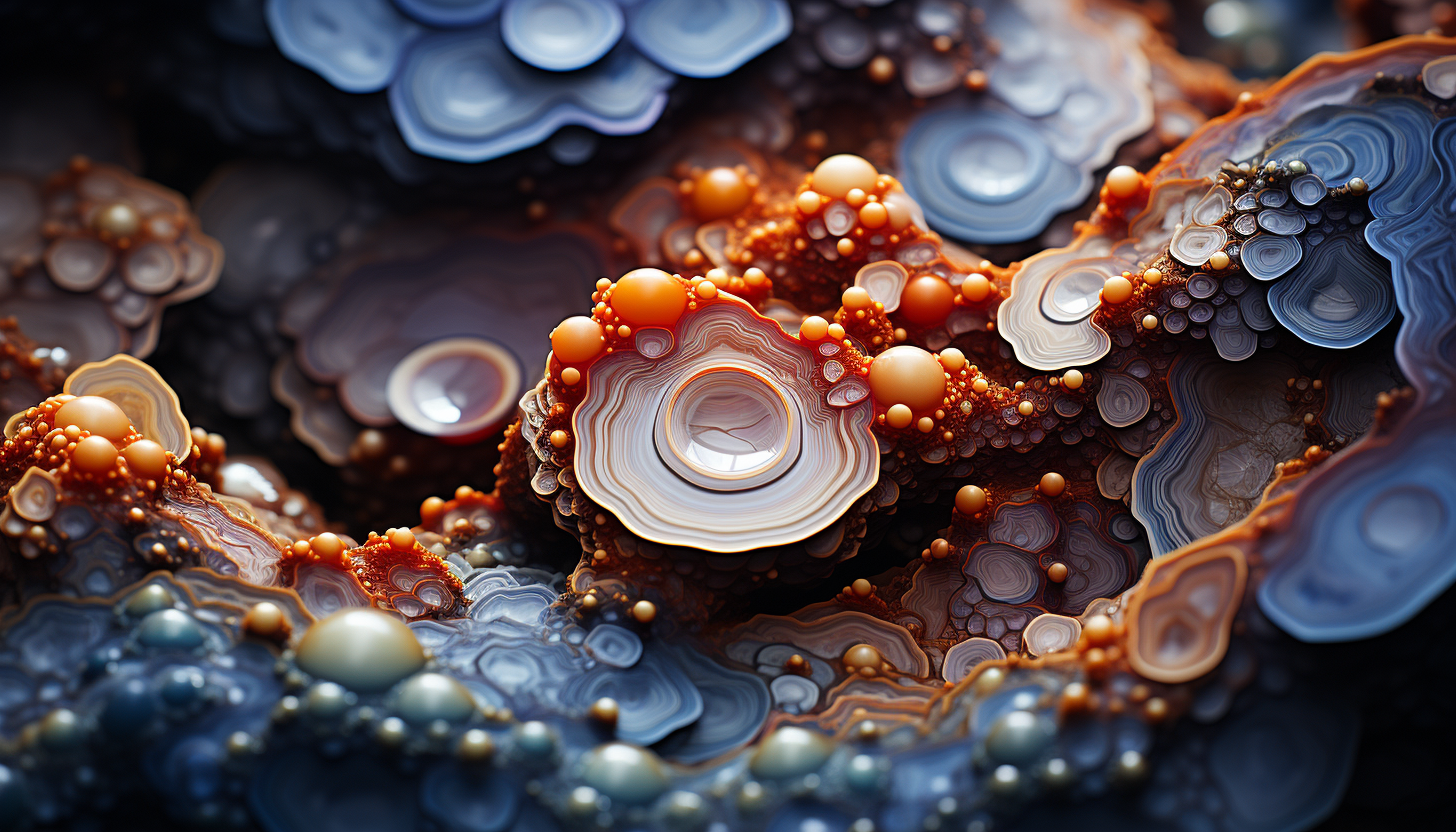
[328, 545]
[873, 215]
[98, 416]
[971, 499]
[907, 375]
[577, 339]
[856, 297]
[813, 328]
[927, 300]
[649, 297]
[94, 454]
[1052, 484]
[1117, 289]
[721, 192]
[1123, 181]
[976, 288]
[146, 458]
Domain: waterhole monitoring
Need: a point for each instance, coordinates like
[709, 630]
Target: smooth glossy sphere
[95, 415]
[327, 700]
[265, 618]
[721, 192]
[971, 499]
[862, 657]
[685, 811]
[649, 297]
[535, 740]
[863, 772]
[605, 710]
[1072, 379]
[146, 458]
[625, 773]
[1123, 181]
[475, 745]
[182, 687]
[14, 796]
[814, 328]
[838, 175]
[61, 730]
[93, 455]
[360, 649]
[117, 220]
[149, 598]
[1117, 289]
[1019, 737]
[1052, 484]
[129, 710]
[976, 288]
[173, 629]
[790, 751]
[873, 215]
[857, 297]
[907, 375]
[431, 696]
[327, 545]
[927, 300]
[577, 339]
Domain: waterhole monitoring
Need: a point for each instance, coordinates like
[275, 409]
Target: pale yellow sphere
[1072, 379]
[95, 415]
[952, 359]
[838, 175]
[907, 375]
[899, 416]
[1123, 181]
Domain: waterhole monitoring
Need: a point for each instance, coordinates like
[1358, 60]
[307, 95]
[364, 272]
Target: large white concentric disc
[723, 442]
